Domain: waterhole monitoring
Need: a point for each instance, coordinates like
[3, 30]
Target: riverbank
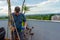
[38, 20]
[45, 20]
[38, 16]
[3, 19]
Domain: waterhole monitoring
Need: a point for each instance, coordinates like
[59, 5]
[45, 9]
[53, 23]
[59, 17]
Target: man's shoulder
[21, 14]
[12, 13]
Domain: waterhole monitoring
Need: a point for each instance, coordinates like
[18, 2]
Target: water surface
[44, 30]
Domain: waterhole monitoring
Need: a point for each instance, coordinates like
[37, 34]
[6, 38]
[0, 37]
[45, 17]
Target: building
[56, 17]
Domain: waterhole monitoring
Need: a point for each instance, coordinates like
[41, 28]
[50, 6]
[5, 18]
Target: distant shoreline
[45, 20]
[3, 19]
[36, 19]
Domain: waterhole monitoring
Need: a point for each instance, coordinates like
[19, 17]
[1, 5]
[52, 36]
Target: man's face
[16, 13]
[17, 10]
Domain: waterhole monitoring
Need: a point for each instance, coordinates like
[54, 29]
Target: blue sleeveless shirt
[18, 20]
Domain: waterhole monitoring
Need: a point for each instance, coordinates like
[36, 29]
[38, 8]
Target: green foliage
[4, 17]
[40, 17]
[25, 8]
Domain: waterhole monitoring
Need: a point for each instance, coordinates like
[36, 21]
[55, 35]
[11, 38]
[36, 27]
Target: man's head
[17, 9]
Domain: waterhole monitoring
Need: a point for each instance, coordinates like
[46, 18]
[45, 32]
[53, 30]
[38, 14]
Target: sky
[36, 6]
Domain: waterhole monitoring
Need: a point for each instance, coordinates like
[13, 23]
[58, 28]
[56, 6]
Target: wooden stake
[10, 17]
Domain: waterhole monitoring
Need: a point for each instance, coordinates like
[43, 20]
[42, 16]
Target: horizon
[35, 14]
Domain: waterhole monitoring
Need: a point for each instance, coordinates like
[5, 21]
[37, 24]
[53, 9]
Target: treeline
[40, 17]
[5, 17]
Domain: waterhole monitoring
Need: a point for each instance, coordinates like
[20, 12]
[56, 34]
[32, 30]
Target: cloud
[4, 10]
[50, 6]
[2, 0]
[51, 0]
[3, 3]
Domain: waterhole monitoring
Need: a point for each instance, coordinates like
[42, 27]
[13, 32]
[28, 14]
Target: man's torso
[18, 20]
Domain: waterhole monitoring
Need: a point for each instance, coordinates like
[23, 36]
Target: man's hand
[25, 25]
[12, 28]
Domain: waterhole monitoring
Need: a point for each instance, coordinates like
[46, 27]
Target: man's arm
[25, 24]
[12, 24]
[24, 20]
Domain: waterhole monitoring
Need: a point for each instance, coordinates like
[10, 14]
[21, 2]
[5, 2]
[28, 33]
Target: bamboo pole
[23, 4]
[16, 29]
[10, 17]
[9, 14]
[9, 10]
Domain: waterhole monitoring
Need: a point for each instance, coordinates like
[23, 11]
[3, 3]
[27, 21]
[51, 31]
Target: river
[43, 30]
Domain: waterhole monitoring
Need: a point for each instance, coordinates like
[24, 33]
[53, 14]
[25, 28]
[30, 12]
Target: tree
[25, 9]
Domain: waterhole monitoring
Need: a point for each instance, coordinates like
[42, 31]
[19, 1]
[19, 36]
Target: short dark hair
[17, 9]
